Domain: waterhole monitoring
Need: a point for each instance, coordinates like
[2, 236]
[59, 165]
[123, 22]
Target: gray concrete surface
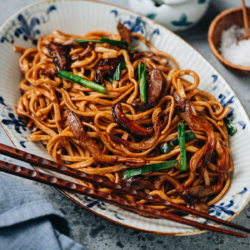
[96, 233]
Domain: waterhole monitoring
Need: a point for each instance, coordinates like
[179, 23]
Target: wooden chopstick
[105, 183]
[108, 197]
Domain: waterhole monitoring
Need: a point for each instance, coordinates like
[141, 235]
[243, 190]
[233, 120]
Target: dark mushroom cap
[60, 55]
[108, 66]
[125, 33]
[155, 88]
[128, 125]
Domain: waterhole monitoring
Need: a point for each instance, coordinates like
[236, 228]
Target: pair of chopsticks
[107, 197]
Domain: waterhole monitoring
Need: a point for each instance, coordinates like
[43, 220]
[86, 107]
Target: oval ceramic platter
[77, 17]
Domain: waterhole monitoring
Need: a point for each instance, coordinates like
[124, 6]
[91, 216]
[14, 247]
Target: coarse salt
[233, 51]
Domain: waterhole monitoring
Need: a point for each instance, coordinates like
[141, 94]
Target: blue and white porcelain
[176, 15]
[77, 17]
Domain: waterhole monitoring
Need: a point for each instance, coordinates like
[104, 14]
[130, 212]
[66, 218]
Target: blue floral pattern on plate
[136, 24]
[96, 204]
[2, 101]
[228, 99]
[229, 209]
[11, 120]
[17, 122]
[26, 26]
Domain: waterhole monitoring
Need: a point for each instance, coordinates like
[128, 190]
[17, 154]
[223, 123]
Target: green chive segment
[166, 147]
[84, 82]
[123, 65]
[181, 138]
[214, 154]
[117, 75]
[149, 168]
[117, 43]
[142, 81]
[230, 127]
[109, 79]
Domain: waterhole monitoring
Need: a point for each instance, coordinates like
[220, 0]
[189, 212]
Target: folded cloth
[28, 221]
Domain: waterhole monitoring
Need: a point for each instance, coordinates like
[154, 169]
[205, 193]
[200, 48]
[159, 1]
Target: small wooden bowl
[223, 21]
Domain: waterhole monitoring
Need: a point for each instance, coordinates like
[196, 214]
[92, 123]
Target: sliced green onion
[84, 82]
[109, 79]
[87, 41]
[149, 168]
[105, 40]
[214, 154]
[230, 127]
[142, 81]
[123, 65]
[181, 138]
[115, 42]
[166, 147]
[117, 74]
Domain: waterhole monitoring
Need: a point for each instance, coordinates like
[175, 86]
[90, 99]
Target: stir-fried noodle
[117, 131]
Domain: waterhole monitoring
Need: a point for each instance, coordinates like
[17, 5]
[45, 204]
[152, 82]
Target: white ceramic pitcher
[176, 15]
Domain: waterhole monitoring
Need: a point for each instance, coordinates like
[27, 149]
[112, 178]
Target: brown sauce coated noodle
[45, 99]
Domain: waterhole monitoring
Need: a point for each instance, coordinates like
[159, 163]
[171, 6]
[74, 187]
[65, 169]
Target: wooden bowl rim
[211, 44]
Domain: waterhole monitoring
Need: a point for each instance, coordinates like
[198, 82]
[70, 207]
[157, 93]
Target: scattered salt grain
[233, 51]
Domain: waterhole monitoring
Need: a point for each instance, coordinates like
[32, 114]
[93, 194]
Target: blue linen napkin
[28, 221]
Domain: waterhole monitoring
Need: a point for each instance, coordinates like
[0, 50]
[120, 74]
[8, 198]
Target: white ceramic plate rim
[76, 201]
